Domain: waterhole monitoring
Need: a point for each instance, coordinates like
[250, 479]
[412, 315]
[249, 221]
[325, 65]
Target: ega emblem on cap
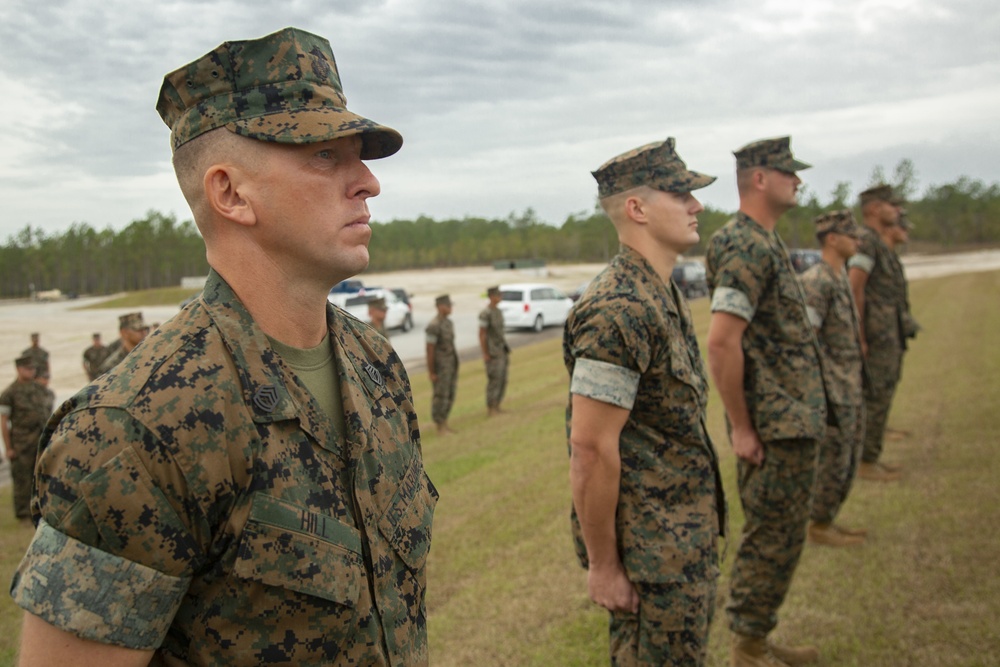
[283, 87]
[656, 165]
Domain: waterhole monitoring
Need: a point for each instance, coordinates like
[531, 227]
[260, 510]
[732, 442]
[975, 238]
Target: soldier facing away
[247, 487]
[25, 406]
[648, 505]
[496, 352]
[94, 356]
[764, 358]
[442, 362]
[39, 355]
[831, 310]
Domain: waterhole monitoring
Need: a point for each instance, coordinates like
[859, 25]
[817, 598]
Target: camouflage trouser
[671, 627]
[496, 380]
[885, 360]
[444, 391]
[837, 462]
[776, 498]
[22, 467]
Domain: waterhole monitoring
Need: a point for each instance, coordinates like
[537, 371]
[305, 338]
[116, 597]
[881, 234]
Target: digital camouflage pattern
[283, 87]
[831, 308]
[93, 357]
[656, 165]
[671, 628]
[131, 321]
[881, 192]
[671, 506]
[198, 500]
[114, 353]
[840, 222]
[491, 319]
[39, 357]
[769, 153]
[441, 334]
[28, 405]
[750, 276]
[885, 305]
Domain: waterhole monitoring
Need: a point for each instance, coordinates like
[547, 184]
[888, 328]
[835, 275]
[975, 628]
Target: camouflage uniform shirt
[831, 309]
[491, 319]
[198, 500]
[630, 342]
[28, 405]
[93, 357]
[113, 355]
[441, 334]
[885, 291]
[751, 277]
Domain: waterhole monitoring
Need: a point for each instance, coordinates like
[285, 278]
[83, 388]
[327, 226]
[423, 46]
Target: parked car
[403, 295]
[803, 258]
[397, 316]
[345, 289]
[533, 306]
[690, 279]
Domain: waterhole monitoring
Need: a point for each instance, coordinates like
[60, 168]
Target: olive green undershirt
[317, 368]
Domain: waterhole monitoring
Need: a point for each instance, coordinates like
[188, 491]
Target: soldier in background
[442, 363]
[764, 358]
[131, 331]
[880, 291]
[94, 356]
[831, 309]
[376, 314]
[38, 354]
[648, 504]
[25, 406]
[496, 352]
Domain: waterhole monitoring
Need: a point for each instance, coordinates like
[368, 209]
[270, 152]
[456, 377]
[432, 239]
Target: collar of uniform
[648, 275]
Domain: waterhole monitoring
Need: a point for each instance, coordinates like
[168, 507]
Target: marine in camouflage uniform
[442, 362]
[39, 355]
[764, 358]
[832, 311]
[376, 313]
[93, 357]
[204, 503]
[24, 407]
[132, 330]
[496, 352]
[636, 423]
[880, 290]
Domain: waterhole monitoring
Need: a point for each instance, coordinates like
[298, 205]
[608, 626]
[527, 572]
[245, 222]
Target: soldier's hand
[747, 446]
[11, 454]
[611, 589]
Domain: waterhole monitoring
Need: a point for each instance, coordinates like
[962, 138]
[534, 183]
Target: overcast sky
[509, 104]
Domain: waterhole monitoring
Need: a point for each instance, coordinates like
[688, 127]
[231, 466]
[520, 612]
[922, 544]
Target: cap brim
[680, 184]
[798, 165]
[309, 126]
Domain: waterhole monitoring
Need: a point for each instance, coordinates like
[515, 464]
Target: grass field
[505, 588]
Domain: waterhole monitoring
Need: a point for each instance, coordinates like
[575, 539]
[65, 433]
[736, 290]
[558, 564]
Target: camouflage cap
[283, 88]
[656, 165]
[880, 192]
[838, 222]
[443, 300]
[493, 291]
[770, 153]
[24, 360]
[131, 321]
[377, 302]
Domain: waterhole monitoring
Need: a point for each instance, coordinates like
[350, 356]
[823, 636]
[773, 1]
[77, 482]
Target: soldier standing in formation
[237, 512]
[764, 358]
[93, 357]
[377, 311]
[648, 505]
[496, 352]
[25, 406]
[880, 291]
[442, 363]
[39, 355]
[831, 309]
[131, 331]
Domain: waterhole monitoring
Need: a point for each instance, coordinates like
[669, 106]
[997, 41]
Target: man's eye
[325, 155]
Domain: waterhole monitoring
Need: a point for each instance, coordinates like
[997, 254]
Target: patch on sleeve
[861, 261]
[732, 301]
[431, 339]
[814, 317]
[94, 594]
[605, 382]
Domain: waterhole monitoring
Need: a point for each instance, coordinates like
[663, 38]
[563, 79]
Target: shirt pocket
[791, 317]
[406, 523]
[295, 549]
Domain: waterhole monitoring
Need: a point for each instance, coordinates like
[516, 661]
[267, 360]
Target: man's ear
[223, 193]
[635, 209]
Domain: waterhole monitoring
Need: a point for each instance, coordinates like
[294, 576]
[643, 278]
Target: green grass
[505, 588]
[161, 296]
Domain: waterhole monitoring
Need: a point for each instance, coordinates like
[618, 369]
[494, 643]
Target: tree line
[157, 251]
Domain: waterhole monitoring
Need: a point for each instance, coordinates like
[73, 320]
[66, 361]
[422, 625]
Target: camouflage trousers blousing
[837, 462]
[671, 628]
[496, 380]
[444, 391]
[776, 498]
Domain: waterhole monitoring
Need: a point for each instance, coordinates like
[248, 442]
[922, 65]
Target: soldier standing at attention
[442, 363]
[496, 352]
[248, 487]
[131, 331]
[24, 408]
[832, 312]
[93, 357]
[648, 505]
[376, 313]
[764, 358]
[880, 292]
[38, 354]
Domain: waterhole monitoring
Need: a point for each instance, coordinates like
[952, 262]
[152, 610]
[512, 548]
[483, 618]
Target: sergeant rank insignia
[374, 374]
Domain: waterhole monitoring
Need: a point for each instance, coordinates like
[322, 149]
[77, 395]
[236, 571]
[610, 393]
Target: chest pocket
[406, 524]
[791, 314]
[295, 549]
